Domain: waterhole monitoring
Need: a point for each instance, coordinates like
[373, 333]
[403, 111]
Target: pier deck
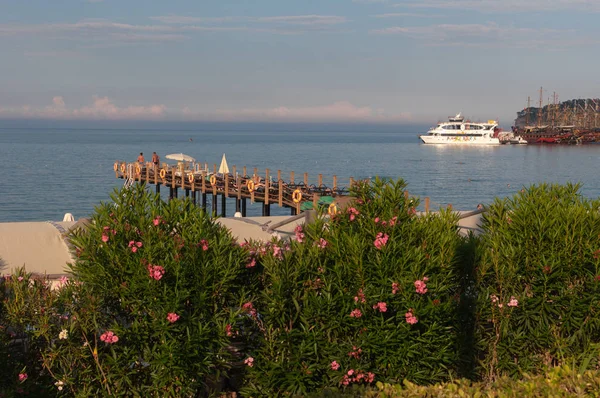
[267, 189]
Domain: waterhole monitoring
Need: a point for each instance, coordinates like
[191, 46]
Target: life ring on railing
[122, 167]
[333, 209]
[116, 166]
[163, 173]
[138, 169]
[213, 179]
[250, 185]
[191, 177]
[297, 196]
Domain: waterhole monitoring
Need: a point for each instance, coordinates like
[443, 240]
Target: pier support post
[157, 188]
[223, 205]
[266, 210]
[237, 205]
[187, 192]
[243, 207]
[171, 194]
[194, 198]
[175, 191]
[214, 204]
[203, 201]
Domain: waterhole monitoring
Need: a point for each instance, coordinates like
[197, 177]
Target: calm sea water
[48, 172]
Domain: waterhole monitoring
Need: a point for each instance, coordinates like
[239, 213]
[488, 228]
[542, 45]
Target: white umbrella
[180, 157]
[223, 168]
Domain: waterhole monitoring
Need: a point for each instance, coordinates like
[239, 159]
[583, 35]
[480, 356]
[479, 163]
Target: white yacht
[458, 131]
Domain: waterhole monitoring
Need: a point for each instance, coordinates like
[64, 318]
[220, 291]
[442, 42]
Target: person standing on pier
[140, 158]
[155, 159]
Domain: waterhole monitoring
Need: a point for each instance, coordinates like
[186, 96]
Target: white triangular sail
[223, 168]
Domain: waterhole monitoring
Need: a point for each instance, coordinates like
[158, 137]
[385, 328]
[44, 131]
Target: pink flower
[172, 317]
[355, 353]
[381, 306]
[131, 243]
[228, 330]
[249, 308]
[204, 244]
[299, 234]
[20, 279]
[355, 313]
[393, 221]
[104, 238]
[360, 296]
[376, 220]
[322, 244]
[410, 318]
[277, 253]
[334, 365]
[380, 240]
[494, 298]
[353, 213]
[109, 337]
[156, 221]
[138, 244]
[249, 361]
[134, 249]
[156, 271]
[63, 280]
[420, 286]
[23, 377]
[370, 377]
[395, 287]
[513, 302]
[350, 372]
[251, 264]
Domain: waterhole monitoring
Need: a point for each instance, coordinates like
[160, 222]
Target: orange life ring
[332, 210]
[138, 169]
[163, 173]
[297, 196]
[213, 179]
[116, 166]
[250, 185]
[122, 167]
[191, 177]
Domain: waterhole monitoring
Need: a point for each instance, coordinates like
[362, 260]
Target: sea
[50, 171]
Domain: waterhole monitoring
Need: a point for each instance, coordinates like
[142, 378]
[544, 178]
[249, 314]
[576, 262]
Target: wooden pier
[267, 189]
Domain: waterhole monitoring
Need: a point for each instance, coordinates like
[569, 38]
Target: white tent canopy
[223, 168]
[180, 157]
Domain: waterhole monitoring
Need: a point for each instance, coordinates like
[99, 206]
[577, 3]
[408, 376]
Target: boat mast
[541, 104]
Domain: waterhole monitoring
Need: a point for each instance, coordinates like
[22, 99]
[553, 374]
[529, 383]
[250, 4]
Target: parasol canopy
[223, 168]
[180, 157]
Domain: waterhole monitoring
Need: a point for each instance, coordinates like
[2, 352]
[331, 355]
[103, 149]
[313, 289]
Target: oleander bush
[157, 285]
[370, 296]
[539, 282]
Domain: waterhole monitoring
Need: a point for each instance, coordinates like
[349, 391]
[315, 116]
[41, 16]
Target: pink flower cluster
[355, 313]
[134, 245]
[513, 302]
[381, 306]
[321, 244]
[334, 365]
[395, 287]
[357, 376]
[156, 271]
[360, 296]
[421, 286]
[391, 222]
[355, 353]
[252, 263]
[228, 331]
[109, 337]
[277, 252]
[299, 234]
[172, 317]
[249, 308]
[249, 361]
[410, 318]
[353, 213]
[157, 221]
[204, 244]
[381, 240]
[23, 377]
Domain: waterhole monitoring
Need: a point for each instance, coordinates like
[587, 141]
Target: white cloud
[369, 1]
[101, 108]
[406, 15]
[490, 34]
[506, 6]
[281, 19]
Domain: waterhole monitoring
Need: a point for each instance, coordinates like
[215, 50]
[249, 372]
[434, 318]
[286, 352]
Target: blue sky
[375, 61]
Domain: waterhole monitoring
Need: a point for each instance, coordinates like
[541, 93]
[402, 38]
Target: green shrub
[539, 282]
[342, 307]
[157, 286]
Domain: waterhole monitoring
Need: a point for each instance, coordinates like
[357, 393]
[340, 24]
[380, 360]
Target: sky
[348, 61]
